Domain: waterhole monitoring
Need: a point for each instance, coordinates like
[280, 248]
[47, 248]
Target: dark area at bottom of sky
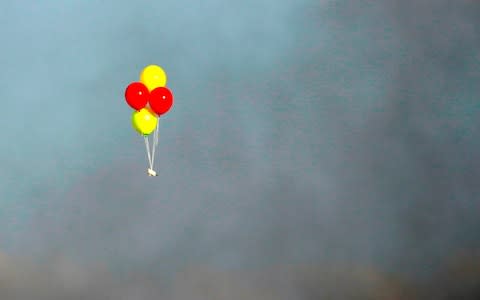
[63, 279]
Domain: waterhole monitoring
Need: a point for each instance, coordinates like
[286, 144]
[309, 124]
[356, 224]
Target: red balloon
[161, 100]
[137, 95]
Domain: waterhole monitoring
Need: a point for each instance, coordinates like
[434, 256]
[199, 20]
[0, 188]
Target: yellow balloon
[153, 76]
[144, 121]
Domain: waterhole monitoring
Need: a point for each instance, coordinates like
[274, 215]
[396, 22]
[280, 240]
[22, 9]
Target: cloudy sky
[302, 131]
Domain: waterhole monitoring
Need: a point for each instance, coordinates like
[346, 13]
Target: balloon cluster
[150, 99]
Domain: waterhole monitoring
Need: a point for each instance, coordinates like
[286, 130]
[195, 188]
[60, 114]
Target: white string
[156, 131]
[155, 142]
[148, 151]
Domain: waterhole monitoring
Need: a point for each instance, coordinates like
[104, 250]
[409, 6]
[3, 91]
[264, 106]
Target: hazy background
[302, 132]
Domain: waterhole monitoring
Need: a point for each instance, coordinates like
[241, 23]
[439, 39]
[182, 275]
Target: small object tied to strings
[151, 154]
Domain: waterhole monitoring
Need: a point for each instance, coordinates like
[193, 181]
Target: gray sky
[301, 131]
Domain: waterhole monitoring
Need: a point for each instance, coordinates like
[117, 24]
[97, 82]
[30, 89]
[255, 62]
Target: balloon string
[156, 133]
[155, 142]
[148, 151]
